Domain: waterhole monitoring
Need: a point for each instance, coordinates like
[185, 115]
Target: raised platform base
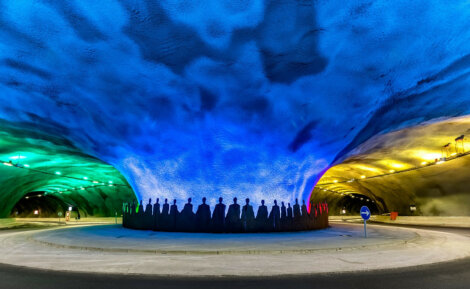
[112, 249]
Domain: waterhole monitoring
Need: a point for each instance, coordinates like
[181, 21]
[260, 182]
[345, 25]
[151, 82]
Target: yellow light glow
[397, 165]
[367, 168]
[424, 163]
[363, 177]
[391, 171]
[453, 154]
[427, 155]
[335, 181]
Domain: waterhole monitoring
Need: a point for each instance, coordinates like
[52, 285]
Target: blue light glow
[230, 98]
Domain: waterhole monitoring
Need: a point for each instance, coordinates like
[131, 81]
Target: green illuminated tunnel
[35, 164]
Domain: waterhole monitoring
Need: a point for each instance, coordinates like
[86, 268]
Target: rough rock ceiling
[229, 98]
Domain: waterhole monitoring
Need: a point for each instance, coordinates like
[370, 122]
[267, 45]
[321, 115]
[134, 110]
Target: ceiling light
[424, 163]
[391, 171]
[85, 178]
[363, 177]
[335, 181]
[26, 166]
[17, 158]
[58, 173]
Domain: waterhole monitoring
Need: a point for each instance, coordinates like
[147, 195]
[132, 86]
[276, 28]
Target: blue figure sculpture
[203, 217]
[218, 217]
[232, 221]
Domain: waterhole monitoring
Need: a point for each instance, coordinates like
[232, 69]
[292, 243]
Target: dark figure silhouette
[164, 220]
[186, 218]
[275, 218]
[148, 219]
[203, 217]
[290, 219]
[296, 223]
[262, 223]
[173, 216]
[232, 221]
[290, 215]
[305, 217]
[218, 217]
[140, 216]
[283, 220]
[248, 217]
[156, 215]
[311, 216]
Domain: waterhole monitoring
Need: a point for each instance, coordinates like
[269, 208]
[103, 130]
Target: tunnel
[150, 99]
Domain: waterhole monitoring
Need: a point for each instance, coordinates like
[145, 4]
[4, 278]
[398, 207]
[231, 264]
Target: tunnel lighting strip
[59, 175]
[350, 194]
[335, 182]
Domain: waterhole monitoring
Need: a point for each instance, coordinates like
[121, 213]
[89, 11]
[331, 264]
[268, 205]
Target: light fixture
[391, 171]
[58, 173]
[26, 198]
[363, 177]
[453, 154]
[110, 182]
[85, 178]
[26, 166]
[17, 158]
[424, 163]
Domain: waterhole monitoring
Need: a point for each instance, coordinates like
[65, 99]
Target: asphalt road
[454, 274]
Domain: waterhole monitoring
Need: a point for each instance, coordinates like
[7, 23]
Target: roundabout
[341, 248]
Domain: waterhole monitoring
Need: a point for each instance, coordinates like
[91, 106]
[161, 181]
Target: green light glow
[57, 168]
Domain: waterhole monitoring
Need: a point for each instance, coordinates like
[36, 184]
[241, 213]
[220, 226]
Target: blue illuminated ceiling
[230, 98]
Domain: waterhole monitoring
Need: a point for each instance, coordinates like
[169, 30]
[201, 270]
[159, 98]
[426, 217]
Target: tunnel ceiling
[245, 98]
[52, 166]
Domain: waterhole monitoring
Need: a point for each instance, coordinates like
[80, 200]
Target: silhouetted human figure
[311, 217]
[203, 217]
[173, 216]
[283, 220]
[164, 221]
[290, 219]
[186, 218]
[275, 218]
[262, 223]
[140, 216]
[156, 215]
[148, 219]
[218, 217]
[232, 221]
[297, 221]
[305, 217]
[248, 217]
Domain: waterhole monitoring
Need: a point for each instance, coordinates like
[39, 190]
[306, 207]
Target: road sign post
[365, 214]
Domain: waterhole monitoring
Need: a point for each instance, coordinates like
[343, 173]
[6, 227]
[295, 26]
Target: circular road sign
[365, 213]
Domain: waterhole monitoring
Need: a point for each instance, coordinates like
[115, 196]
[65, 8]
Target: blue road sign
[365, 213]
